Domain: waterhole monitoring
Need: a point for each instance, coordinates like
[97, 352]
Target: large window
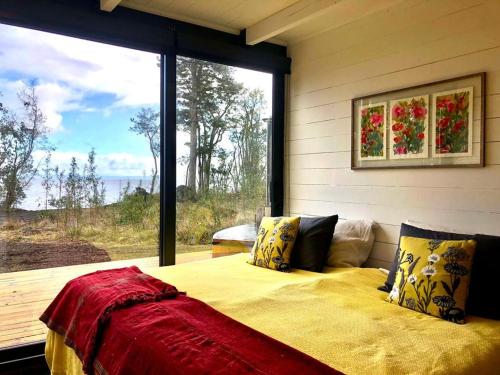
[79, 166]
[103, 164]
[223, 123]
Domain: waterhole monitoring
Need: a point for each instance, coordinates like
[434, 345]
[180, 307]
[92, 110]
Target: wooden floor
[25, 295]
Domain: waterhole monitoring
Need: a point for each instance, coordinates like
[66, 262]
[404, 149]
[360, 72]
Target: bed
[338, 317]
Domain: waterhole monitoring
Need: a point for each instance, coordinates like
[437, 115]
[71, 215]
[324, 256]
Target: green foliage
[146, 123]
[47, 178]
[250, 140]
[207, 108]
[20, 135]
[94, 197]
[139, 209]
[193, 223]
[198, 221]
[74, 232]
[50, 215]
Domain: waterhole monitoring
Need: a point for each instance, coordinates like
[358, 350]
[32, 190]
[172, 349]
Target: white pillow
[351, 244]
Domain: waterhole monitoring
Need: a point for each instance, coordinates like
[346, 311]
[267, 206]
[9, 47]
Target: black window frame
[169, 38]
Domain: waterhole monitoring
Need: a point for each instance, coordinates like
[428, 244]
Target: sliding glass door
[79, 167]
[223, 129]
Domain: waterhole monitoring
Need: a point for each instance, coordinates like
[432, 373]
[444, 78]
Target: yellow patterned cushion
[274, 243]
[433, 277]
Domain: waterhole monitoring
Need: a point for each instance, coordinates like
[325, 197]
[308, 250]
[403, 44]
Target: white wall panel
[410, 44]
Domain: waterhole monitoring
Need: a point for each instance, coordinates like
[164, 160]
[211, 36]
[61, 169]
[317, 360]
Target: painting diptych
[434, 127]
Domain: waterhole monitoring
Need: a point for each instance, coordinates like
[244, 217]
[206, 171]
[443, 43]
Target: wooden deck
[25, 295]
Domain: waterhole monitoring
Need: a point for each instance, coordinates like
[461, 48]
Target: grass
[129, 229]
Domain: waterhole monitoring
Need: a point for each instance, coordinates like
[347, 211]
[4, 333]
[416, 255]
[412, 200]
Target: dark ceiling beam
[134, 29]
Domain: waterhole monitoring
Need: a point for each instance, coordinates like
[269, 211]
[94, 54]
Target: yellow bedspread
[338, 317]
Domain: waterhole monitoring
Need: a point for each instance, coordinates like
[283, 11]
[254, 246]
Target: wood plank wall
[412, 43]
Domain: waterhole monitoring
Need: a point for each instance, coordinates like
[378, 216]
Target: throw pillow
[352, 243]
[314, 238]
[274, 244]
[412, 231]
[433, 277]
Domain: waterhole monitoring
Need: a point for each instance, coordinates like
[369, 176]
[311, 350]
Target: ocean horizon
[114, 185]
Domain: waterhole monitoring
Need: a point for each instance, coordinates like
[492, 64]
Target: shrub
[138, 209]
[194, 223]
[198, 221]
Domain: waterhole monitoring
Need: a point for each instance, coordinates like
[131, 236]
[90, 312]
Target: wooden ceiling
[278, 21]
[226, 15]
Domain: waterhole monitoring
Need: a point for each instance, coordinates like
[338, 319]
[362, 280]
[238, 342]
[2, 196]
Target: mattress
[337, 317]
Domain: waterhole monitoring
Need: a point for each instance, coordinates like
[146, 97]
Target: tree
[249, 138]
[146, 123]
[58, 202]
[74, 190]
[47, 177]
[207, 94]
[189, 81]
[19, 137]
[4, 120]
[102, 193]
[93, 196]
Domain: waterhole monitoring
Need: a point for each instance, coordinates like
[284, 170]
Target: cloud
[111, 164]
[68, 70]
[53, 98]
[131, 75]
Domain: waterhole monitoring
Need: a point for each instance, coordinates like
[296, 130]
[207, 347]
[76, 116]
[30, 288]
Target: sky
[88, 92]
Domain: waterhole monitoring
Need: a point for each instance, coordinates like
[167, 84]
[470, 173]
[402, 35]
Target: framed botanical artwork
[409, 128]
[437, 124]
[453, 123]
[372, 131]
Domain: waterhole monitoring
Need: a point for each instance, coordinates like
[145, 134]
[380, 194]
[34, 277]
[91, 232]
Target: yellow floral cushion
[433, 277]
[274, 243]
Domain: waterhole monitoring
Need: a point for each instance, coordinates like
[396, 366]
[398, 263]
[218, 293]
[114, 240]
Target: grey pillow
[352, 243]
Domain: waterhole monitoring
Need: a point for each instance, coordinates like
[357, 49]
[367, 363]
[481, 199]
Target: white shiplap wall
[412, 43]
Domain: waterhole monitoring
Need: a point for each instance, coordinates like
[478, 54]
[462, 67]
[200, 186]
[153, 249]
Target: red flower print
[461, 102]
[397, 139]
[458, 125]
[376, 119]
[419, 112]
[398, 111]
[439, 140]
[450, 107]
[397, 127]
[407, 132]
[444, 122]
[421, 135]
[400, 150]
[372, 131]
[444, 150]
[442, 103]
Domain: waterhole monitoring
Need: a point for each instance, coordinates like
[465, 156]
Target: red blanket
[83, 307]
[180, 335]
